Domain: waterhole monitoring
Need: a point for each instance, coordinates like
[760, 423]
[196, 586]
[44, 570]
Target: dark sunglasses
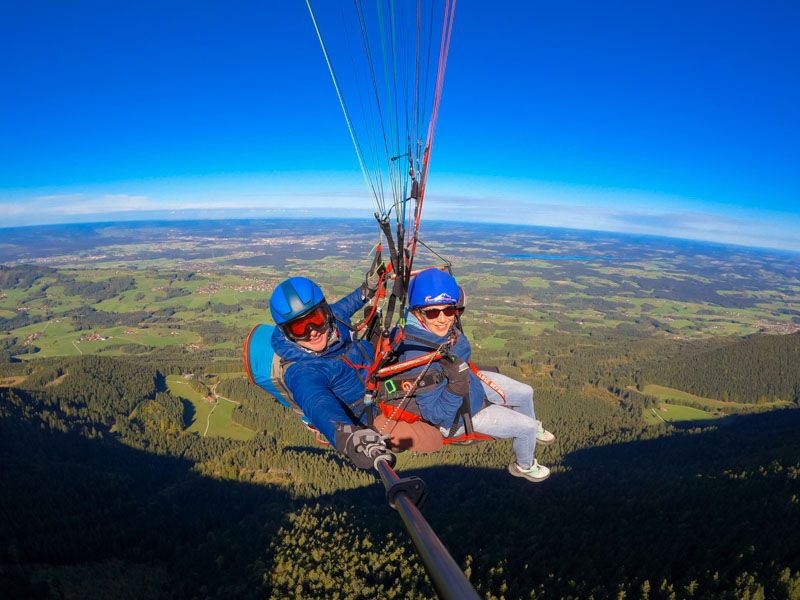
[449, 311]
[302, 327]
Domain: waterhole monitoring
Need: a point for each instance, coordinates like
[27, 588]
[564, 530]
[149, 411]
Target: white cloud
[771, 230]
[498, 201]
[82, 204]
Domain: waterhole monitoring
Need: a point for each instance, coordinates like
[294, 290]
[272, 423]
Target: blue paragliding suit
[325, 385]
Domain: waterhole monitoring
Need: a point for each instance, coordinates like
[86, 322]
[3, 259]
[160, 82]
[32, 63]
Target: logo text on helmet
[443, 298]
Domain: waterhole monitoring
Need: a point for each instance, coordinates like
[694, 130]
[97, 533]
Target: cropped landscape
[139, 462]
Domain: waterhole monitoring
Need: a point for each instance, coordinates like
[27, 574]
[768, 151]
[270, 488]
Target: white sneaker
[535, 472]
[543, 436]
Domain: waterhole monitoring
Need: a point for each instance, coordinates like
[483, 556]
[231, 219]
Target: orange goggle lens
[301, 328]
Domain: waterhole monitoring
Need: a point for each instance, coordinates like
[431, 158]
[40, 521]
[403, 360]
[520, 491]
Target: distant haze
[675, 119]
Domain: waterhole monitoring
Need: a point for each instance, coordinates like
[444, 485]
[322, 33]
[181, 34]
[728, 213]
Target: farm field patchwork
[196, 286]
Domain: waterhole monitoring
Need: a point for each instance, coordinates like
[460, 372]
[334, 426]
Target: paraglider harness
[394, 393]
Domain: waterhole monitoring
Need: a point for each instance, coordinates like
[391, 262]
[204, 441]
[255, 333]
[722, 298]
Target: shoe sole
[545, 442]
[517, 473]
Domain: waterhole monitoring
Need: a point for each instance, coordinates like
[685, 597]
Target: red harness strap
[352, 365]
[409, 364]
[382, 348]
[468, 437]
[487, 381]
[395, 413]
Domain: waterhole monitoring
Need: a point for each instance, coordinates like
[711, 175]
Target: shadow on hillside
[189, 414]
[69, 500]
[669, 508]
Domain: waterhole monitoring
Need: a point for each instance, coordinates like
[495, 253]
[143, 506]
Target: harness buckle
[390, 386]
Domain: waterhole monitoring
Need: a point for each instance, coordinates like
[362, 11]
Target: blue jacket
[325, 387]
[438, 405]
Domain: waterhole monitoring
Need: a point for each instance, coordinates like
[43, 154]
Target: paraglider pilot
[325, 367]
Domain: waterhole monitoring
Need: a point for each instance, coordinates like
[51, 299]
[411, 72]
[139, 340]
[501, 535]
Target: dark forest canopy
[756, 369]
[99, 470]
[23, 276]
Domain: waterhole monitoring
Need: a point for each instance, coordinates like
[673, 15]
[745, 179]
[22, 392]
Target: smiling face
[439, 324]
[317, 342]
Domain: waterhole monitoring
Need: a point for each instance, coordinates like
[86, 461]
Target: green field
[222, 423]
[675, 413]
[490, 343]
[667, 394]
[59, 338]
[210, 418]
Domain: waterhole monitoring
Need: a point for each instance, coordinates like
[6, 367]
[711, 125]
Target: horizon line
[305, 217]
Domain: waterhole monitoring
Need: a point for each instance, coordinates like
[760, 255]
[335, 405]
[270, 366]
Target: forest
[104, 491]
[138, 462]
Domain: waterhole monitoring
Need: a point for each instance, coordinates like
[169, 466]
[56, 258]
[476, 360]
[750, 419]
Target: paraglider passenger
[313, 339]
[434, 301]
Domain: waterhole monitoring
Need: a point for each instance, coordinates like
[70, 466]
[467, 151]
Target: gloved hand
[362, 446]
[371, 280]
[457, 373]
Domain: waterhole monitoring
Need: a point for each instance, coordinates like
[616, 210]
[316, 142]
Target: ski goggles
[449, 311]
[302, 327]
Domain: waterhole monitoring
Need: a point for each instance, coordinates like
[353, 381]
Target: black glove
[457, 373]
[362, 446]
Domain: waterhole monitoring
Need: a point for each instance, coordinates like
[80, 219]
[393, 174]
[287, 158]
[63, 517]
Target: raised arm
[349, 305]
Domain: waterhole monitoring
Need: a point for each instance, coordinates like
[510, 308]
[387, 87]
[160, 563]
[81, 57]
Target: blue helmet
[431, 287]
[293, 298]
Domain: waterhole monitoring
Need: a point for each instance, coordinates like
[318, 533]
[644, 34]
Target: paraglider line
[339, 95]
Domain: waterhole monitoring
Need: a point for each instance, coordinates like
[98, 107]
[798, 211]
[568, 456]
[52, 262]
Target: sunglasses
[449, 311]
[302, 327]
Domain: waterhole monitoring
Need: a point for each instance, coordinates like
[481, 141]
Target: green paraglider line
[341, 99]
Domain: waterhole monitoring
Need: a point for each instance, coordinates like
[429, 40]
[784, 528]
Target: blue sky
[669, 118]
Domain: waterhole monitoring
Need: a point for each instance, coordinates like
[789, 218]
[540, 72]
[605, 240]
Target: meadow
[679, 397]
[210, 417]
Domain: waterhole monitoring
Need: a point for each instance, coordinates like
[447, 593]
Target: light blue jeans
[512, 418]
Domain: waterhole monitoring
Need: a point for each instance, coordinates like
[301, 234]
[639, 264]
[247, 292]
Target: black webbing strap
[398, 387]
[398, 265]
[463, 413]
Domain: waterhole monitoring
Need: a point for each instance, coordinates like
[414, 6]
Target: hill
[756, 369]
[139, 462]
